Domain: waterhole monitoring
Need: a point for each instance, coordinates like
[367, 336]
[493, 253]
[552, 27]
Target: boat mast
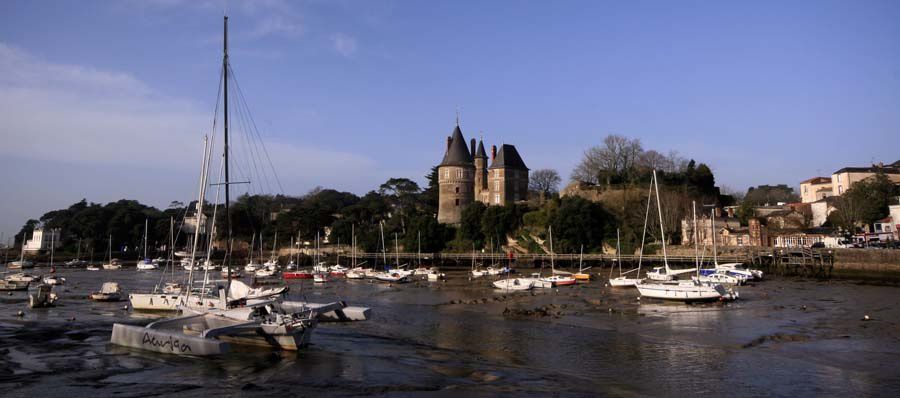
[696, 243]
[712, 218]
[227, 263]
[662, 229]
[146, 222]
[552, 267]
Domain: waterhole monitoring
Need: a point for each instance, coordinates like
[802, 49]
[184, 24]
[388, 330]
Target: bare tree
[615, 158]
[545, 181]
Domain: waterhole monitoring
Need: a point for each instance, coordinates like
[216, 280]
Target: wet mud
[797, 337]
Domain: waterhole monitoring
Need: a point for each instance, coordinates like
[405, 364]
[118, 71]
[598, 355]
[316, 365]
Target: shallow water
[783, 337]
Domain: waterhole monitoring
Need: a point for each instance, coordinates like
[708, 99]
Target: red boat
[337, 274]
[297, 275]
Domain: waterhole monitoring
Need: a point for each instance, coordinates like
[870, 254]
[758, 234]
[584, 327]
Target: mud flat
[784, 337]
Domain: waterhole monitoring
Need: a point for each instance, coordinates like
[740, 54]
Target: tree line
[621, 168]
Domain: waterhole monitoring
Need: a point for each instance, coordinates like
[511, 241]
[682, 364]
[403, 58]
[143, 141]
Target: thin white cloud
[344, 44]
[82, 115]
[277, 25]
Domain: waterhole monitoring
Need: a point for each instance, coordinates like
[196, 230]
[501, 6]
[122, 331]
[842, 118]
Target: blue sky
[109, 99]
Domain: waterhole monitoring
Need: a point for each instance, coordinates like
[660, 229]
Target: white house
[40, 240]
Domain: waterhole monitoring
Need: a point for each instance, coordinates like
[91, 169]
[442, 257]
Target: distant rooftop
[508, 157]
[817, 180]
[457, 153]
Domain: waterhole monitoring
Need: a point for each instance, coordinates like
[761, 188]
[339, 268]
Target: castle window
[457, 189]
[457, 202]
[446, 174]
[497, 185]
[497, 199]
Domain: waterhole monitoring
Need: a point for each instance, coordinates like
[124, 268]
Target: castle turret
[481, 174]
[456, 175]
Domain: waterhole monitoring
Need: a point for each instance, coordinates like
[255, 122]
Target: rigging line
[246, 153]
[253, 164]
[254, 149]
[272, 166]
[245, 117]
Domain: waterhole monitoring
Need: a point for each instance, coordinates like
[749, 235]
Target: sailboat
[208, 331]
[22, 263]
[686, 291]
[622, 280]
[391, 275]
[77, 261]
[146, 264]
[112, 263]
[735, 270]
[356, 271]
[581, 275]
[714, 275]
[555, 279]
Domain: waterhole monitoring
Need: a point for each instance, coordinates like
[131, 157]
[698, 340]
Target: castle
[464, 177]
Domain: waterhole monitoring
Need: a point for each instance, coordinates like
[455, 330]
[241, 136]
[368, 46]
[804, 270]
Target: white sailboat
[735, 270]
[686, 291]
[146, 264]
[22, 263]
[111, 263]
[556, 279]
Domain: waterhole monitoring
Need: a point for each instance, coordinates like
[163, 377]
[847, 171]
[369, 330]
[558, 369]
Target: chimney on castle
[449, 140]
[472, 145]
[493, 152]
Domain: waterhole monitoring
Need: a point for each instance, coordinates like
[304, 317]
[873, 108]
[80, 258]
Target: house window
[840, 190]
[839, 178]
[497, 199]
[459, 174]
[806, 189]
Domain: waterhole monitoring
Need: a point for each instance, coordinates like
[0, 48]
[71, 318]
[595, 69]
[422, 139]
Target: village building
[465, 176]
[41, 239]
[843, 179]
[814, 189]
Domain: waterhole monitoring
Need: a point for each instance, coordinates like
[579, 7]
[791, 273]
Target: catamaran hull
[169, 302]
[167, 342]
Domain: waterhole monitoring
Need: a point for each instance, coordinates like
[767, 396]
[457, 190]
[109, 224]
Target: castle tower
[507, 176]
[482, 194]
[456, 175]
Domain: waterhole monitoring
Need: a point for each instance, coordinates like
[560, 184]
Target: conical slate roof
[457, 154]
[479, 153]
[508, 157]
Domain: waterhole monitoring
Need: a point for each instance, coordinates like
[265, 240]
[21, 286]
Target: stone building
[816, 188]
[465, 176]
